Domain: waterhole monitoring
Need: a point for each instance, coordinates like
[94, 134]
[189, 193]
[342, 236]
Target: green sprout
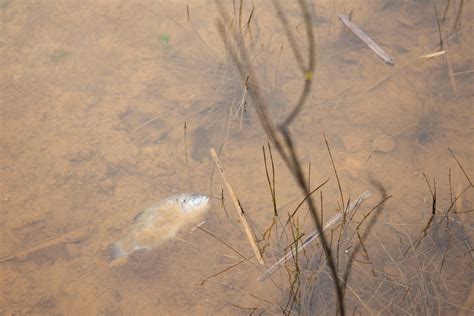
[165, 38]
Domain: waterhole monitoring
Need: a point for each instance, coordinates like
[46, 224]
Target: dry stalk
[238, 209]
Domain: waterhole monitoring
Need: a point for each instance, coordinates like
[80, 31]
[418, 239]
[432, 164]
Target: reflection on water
[95, 100]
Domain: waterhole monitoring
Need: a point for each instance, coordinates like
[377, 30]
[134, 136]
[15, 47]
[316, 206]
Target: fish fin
[116, 254]
[118, 262]
[138, 217]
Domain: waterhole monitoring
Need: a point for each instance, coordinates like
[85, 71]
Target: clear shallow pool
[95, 98]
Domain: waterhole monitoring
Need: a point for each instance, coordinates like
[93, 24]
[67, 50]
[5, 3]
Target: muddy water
[94, 102]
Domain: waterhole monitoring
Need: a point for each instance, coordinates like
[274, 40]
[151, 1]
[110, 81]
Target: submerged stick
[72, 237]
[238, 209]
[367, 40]
[315, 234]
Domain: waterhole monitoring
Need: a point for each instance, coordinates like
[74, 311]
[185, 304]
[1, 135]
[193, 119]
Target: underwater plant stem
[238, 209]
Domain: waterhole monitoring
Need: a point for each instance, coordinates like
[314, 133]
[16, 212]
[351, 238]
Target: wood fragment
[433, 55]
[366, 39]
[238, 209]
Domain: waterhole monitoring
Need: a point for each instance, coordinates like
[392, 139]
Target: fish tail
[115, 253]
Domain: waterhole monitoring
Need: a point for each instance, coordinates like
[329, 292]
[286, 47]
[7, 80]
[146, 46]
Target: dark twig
[271, 183]
[306, 197]
[460, 166]
[454, 201]
[439, 27]
[433, 193]
[220, 272]
[222, 241]
[335, 171]
[371, 223]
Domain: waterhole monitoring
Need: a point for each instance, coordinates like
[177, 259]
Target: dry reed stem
[366, 39]
[460, 166]
[238, 209]
[433, 55]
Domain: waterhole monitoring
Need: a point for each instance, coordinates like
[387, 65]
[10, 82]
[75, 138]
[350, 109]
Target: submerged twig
[186, 156]
[306, 197]
[453, 203]
[197, 33]
[271, 183]
[222, 241]
[238, 209]
[379, 207]
[432, 55]
[439, 27]
[220, 272]
[335, 172]
[460, 166]
[432, 192]
[315, 234]
[367, 40]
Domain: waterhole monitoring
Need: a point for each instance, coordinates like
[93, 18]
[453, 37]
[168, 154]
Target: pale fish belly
[159, 223]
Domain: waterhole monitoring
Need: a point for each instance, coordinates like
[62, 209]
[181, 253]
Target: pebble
[352, 143]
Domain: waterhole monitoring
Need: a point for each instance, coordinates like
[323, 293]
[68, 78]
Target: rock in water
[158, 223]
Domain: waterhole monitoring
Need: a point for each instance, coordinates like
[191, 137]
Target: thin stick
[432, 55]
[335, 172]
[433, 193]
[370, 212]
[450, 186]
[454, 201]
[238, 209]
[306, 197]
[452, 78]
[460, 166]
[186, 156]
[367, 40]
[243, 102]
[218, 239]
[309, 175]
[439, 27]
[220, 272]
[315, 234]
[272, 187]
[146, 123]
[197, 33]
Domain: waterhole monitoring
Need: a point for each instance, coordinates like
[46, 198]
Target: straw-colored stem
[238, 209]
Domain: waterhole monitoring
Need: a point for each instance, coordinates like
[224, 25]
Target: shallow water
[94, 103]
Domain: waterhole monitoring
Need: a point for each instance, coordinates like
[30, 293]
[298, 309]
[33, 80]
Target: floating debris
[367, 40]
[157, 224]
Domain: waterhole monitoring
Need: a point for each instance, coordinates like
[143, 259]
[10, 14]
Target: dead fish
[157, 224]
